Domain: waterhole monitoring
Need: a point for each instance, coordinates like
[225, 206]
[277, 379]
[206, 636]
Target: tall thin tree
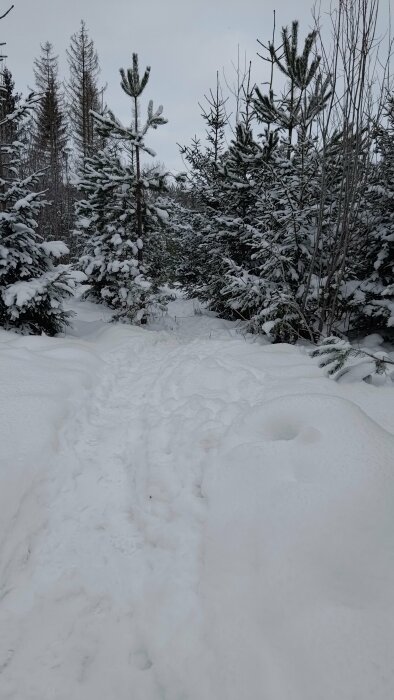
[50, 137]
[83, 92]
[133, 85]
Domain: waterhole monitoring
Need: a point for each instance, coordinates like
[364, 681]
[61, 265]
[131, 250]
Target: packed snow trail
[189, 515]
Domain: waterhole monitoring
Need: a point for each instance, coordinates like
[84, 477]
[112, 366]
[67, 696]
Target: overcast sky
[184, 41]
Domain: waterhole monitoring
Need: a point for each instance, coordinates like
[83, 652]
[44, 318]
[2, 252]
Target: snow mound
[299, 567]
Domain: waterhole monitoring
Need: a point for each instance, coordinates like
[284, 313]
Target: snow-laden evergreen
[376, 290]
[201, 266]
[291, 230]
[273, 293]
[106, 228]
[123, 218]
[32, 285]
[49, 151]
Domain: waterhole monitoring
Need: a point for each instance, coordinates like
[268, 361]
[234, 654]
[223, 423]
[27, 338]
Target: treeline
[284, 219]
[293, 226]
[60, 134]
[76, 196]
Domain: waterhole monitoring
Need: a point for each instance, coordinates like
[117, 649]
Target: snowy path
[188, 516]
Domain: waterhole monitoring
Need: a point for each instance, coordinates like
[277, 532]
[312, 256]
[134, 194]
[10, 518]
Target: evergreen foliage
[340, 359]
[32, 285]
[273, 294]
[290, 229]
[201, 260]
[285, 219]
[50, 140]
[375, 294]
[83, 93]
[123, 216]
[9, 100]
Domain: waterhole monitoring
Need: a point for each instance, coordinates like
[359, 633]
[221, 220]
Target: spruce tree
[226, 191]
[32, 285]
[237, 191]
[215, 118]
[9, 100]
[244, 175]
[200, 256]
[83, 92]
[373, 300]
[50, 140]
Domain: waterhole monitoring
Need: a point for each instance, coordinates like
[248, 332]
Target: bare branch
[8, 12]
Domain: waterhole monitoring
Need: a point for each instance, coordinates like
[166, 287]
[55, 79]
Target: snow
[189, 514]
[25, 202]
[55, 248]
[21, 293]
[162, 214]
[116, 239]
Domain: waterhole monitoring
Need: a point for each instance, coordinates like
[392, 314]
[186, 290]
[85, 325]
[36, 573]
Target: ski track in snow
[203, 529]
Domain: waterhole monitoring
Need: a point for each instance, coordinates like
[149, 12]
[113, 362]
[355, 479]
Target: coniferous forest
[283, 219]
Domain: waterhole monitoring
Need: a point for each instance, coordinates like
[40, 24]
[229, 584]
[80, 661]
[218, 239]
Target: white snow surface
[186, 514]
[55, 248]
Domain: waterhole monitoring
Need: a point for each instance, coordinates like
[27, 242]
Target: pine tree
[106, 223]
[32, 285]
[284, 236]
[122, 218]
[292, 229]
[83, 92]
[314, 247]
[9, 100]
[132, 138]
[50, 140]
[341, 359]
[262, 200]
[133, 85]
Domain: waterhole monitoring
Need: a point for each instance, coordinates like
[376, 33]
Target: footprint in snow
[282, 429]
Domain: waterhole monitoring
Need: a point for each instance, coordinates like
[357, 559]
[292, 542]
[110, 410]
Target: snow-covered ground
[186, 514]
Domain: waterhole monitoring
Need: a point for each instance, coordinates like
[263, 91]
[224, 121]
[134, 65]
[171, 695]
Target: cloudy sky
[184, 41]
